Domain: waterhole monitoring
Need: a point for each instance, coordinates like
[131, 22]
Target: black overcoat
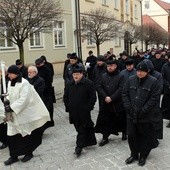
[166, 91]
[141, 98]
[79, 99]
[111, 118]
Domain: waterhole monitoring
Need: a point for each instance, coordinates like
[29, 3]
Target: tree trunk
[21, 51]
[98, 49]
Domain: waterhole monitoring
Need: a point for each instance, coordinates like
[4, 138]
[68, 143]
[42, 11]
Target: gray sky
[167, 1]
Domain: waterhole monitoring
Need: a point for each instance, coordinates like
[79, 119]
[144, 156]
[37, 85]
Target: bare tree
[132, 35]
[22, 17]
[100, 26]
[152, 34]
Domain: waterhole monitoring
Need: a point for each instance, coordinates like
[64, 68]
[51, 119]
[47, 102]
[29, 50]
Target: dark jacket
[39, 85]
[24, 71]
[97, 74]
[166, 78]
[79, 99]
[45, 73]
[127, 73]
[111, 85]
[92, 60]
[154, 73]
[158, 64]
[141, 98]
[50, 67]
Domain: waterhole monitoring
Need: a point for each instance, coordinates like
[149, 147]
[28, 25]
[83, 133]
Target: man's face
[77, 76]
[100, 63]
[129, 67]
[12, 76]
[141, 74]
[19, 66]
[158, 56]
[124, 57]
[39, 65]
[73, 61]
[111, 67]
[31, 73]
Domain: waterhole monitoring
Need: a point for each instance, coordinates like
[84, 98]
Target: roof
[163, 4]
[146, 19]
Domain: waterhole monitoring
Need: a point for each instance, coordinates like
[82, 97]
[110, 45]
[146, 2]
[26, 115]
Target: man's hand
[8, 109]
[8, 117]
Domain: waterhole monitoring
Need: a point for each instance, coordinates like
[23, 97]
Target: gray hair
[33, 68]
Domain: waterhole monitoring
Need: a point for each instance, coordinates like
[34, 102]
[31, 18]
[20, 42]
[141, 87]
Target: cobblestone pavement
[56, 151]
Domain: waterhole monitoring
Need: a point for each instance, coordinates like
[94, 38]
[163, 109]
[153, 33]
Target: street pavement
[57, 148]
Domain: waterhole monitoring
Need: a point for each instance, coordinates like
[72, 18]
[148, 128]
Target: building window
[127, 6]
[36, 39]
[105, 2]
[5, 37]
[59, 33]
[136, 14]
[147, 4]
[89, 38]
[117, 41]
[116, 4]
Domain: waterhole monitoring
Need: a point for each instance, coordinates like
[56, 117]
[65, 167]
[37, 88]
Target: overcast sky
[167, 1]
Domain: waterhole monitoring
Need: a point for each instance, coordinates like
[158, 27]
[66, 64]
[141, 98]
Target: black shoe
[27, 158]
[124, 136]
[11, 160]
[3, 146]
[142, 161]
[131, 159]
[103, 142]
[78, 151]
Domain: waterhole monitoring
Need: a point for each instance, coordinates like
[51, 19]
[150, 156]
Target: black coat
[24, 71]
[92, 60]
[39, 85]
[79, 99]
[111, 85]
[166, 78]
[141, 98]
[45, 73]
[97, 74]
[158, 64]
[112, 117]
[166, 91]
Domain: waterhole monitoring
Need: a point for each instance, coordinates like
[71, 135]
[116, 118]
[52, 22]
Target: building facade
[64, 37]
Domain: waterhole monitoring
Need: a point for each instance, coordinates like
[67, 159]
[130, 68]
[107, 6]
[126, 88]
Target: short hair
[34, 68]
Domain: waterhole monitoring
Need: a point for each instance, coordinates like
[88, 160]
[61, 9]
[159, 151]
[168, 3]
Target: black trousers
[141, 138]
[3, 133]
[19, 145]
[85, 134]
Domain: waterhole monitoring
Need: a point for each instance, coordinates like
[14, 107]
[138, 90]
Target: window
[5, 41]
[36, 39]
[116, 4]
[117, 41]
[147, 4]
[59, 33]
[104, 2]
[136, 11]
[127, 7]
[89, 38]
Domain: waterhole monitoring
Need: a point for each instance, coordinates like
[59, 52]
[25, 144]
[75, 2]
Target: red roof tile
[146, 19]
[163, 4]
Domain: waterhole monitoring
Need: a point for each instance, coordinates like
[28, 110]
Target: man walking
[111, 118]
[140, 95]
[79, 100]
